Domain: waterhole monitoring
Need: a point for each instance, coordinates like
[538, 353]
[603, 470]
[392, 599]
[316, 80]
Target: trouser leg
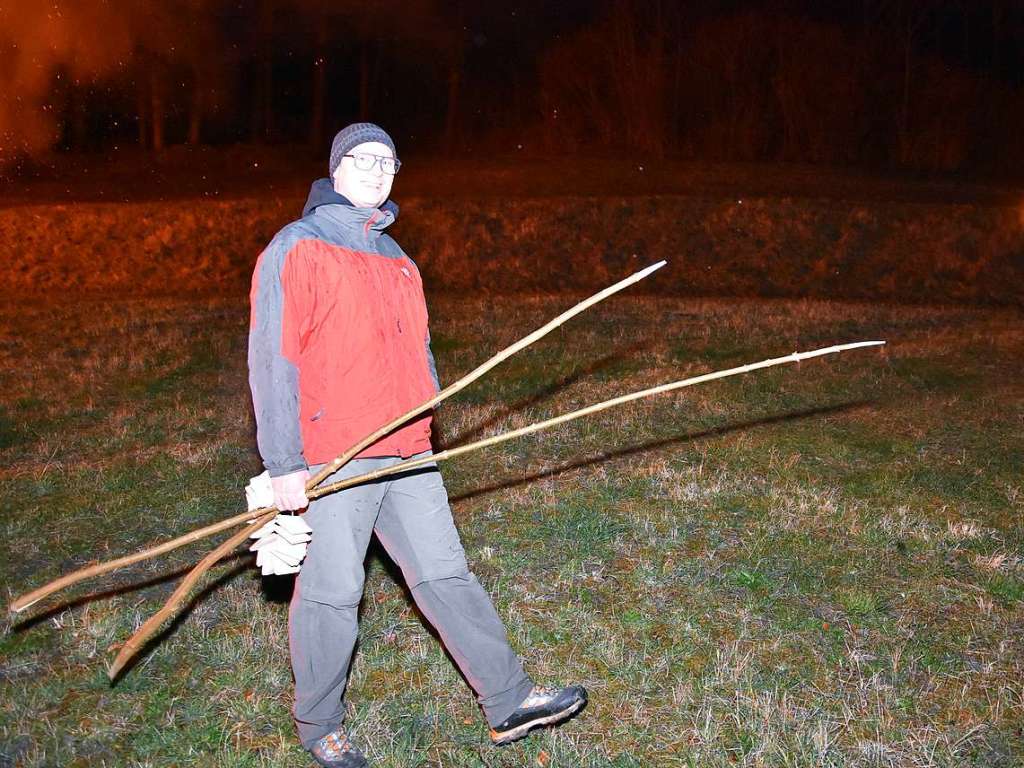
[415, 526]
[323, 615]
[463, 614]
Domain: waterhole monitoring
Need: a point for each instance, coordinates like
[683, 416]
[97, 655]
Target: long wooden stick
[476, 373]
[451, 453]
[31, 598]
[153, 623]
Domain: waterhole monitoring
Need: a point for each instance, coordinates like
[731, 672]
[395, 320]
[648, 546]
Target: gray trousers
[413, 521]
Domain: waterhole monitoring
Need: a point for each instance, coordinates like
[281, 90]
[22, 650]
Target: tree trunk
[267, 101]
[156, 101]
[263, 100]
[141, 104]
[965, 11]
[256, 117]
[904, 119]
[364, 81]
[451, 116]
[316, 124]
[195, 115]
[79, 116]
[675, 98]
[915, 17]
[997, 33]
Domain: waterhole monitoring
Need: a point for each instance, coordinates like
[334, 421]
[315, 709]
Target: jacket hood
[322, 193]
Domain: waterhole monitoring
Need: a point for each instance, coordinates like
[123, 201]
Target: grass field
[817, 565]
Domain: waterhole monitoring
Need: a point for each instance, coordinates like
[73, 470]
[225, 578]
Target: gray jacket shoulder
[286, 238]
[388, 247]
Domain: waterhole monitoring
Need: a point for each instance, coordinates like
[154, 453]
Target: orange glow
[86, 38]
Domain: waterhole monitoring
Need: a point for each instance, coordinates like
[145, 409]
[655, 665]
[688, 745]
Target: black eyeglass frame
[377, 160]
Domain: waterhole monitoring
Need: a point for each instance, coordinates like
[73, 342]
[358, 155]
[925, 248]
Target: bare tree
[142, 111]
[819, 107]
[173, 64]
[453, 54]
[375, 32]
[906, 22]
[206, 72]
[261, 45]
[611, 81]
[727, 76]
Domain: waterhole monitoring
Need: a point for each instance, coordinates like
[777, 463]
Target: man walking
[338, 346]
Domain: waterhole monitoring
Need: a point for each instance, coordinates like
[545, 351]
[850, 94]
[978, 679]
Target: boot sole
[507, 737]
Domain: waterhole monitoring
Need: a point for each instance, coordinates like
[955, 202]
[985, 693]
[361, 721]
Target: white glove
[281, 545]
[286, 492]
[290, 490]
[259, 492]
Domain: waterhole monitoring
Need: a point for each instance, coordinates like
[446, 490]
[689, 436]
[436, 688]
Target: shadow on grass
[633, 450]
[602, 363]
[377, 552]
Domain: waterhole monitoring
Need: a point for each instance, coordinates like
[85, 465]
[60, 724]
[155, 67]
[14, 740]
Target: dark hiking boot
[335, 751]
[544, 706]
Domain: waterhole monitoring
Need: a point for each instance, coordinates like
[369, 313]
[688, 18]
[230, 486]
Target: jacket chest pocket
[416, 303]
[405, 311]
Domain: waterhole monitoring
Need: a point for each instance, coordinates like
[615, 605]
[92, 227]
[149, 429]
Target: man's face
[364, 189]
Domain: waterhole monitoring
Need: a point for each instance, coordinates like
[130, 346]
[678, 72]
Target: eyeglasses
[364, 162]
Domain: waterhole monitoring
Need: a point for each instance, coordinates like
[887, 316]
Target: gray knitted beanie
[352, 136]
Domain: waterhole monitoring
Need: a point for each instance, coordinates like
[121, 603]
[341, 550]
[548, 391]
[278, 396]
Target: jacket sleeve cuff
[285, 469]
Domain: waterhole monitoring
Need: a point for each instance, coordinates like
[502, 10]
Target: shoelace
[540, 693]
[334, 745]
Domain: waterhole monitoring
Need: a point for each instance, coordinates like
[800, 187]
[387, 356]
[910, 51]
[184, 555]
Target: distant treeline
[920, 84]
[756, 85]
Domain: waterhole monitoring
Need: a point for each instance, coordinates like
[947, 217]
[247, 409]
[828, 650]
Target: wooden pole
[451, 453]
[476, 373]
[26, 601]
[31, 598]
[154, 622]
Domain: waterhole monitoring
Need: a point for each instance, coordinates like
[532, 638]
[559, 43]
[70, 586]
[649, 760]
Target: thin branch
[154, 622]
[451, 453]
[475, 374]
[33, 597]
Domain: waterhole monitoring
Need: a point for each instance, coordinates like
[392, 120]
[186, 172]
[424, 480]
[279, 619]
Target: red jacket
[338, 339]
